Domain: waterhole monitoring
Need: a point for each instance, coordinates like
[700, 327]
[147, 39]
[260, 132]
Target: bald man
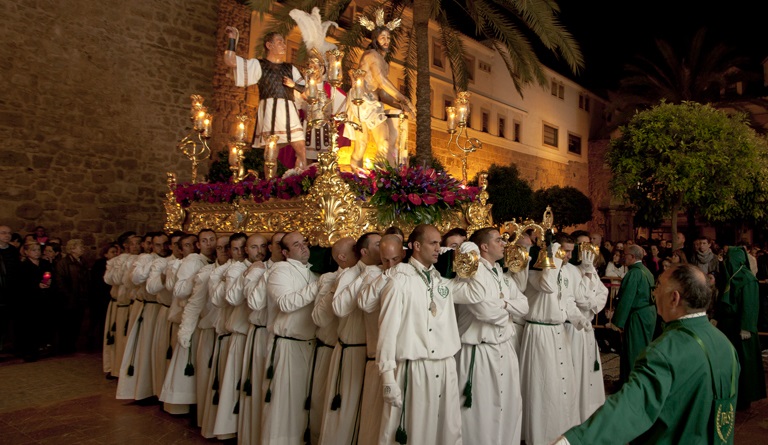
[345, 380]
[371, 282]
[343, 252]
[292, 288]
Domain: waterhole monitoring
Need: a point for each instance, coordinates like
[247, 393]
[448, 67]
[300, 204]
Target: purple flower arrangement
[411, 194]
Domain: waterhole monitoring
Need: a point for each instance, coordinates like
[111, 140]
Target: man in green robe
[635, 312]
[736, 314]
[682, 389]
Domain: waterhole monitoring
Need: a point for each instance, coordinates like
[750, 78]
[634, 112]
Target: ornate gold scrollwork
[478, 213]
[174, 214]
[331, 209]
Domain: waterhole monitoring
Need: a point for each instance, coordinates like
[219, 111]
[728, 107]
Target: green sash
[723, 407]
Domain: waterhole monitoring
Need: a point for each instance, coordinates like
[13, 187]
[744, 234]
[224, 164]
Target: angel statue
[377, 91]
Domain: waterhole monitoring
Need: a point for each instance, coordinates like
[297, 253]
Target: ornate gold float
[328, 212]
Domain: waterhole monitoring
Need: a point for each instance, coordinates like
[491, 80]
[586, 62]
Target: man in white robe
[489, 377]
[589, 296]
[341, 405]
[371, 282]
[547, 378]
[162, 340]
[226, 282]
[418, 338]
[179, 387]
[241, 322]
[327, 334]
[259, 340]
[292, 289]
[112, 276]
[136, 377]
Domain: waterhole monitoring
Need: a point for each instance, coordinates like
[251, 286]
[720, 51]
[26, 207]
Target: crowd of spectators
[705, 253]
[53, 296]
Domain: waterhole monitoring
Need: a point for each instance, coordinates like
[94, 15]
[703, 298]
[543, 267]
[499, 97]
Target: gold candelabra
[457, 127]
[195, 144]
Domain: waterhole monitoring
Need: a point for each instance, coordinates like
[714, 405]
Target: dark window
[574, 144]
[550, 135]
[502, 124]
[517, 132]
[486, 118]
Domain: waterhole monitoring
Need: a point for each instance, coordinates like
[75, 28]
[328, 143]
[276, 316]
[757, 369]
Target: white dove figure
[313, 29]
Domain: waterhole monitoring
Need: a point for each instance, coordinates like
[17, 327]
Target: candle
[462, 115]
[334, 73]
[312, 89]
[240, 132]
[450, 112]
[199, 120]
[233, 156]
[207, 125]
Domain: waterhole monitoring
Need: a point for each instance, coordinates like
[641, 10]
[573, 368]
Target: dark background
[612, 32]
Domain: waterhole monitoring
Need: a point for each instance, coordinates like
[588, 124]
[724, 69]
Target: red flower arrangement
[415, 194]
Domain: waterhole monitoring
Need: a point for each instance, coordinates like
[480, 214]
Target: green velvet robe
[737, 310]
[636, 314]
[668, 398]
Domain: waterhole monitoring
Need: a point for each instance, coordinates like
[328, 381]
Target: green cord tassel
[268, 396]
[215, 398]
[130, 370]
[125, 328]
[308, 403]
[210, 362]
[110, 339]
[215, 385]
[401, 436]
[336, 402]
[468, 395]
[597, 365]
[169, 353]
[307, 437]
[270, 372]
[237, 387]
[237, 408]
[113, 328]
[247, 387]
[189, 370]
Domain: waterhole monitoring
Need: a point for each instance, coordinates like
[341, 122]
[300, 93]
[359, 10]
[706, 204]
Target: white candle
[312, 90]
[451, 114]
[240, 132]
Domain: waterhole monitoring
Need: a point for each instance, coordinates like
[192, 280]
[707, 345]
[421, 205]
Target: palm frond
[409, 67]
[453, 50]
[540, 16]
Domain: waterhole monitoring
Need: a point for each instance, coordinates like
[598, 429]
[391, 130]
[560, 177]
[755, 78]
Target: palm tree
[505, 24]
[697, 76]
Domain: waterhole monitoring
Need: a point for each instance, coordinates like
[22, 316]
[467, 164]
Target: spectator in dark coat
[71, 281]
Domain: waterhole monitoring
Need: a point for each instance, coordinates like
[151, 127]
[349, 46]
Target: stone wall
[95, 98]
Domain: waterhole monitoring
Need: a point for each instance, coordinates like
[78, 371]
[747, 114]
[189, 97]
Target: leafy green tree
[569, 206]
[506, 25]
[689, 155]
[511, 195]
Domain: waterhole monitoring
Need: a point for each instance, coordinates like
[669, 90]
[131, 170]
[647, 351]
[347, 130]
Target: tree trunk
[675, 210]
[421, 9]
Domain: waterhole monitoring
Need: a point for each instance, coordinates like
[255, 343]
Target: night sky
[612, 32]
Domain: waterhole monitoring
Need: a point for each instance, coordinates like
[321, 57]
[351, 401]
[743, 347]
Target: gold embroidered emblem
[724, 422]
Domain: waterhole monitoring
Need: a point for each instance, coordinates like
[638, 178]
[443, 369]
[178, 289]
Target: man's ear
[675, 299]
